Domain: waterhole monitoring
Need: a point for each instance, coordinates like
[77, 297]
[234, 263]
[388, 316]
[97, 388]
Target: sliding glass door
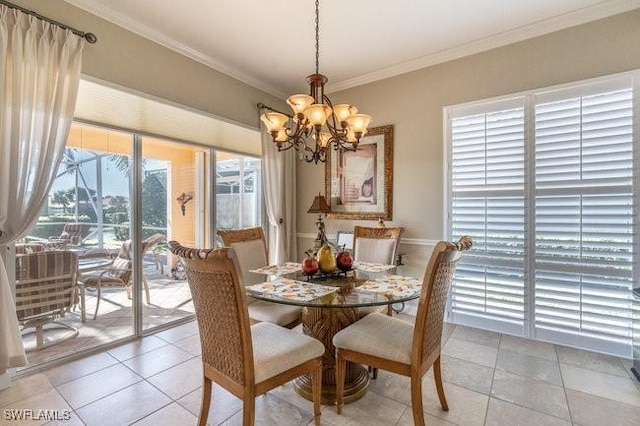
[174, 203]
[88, 212]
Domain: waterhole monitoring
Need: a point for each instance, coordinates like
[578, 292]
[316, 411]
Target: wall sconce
[183, 199]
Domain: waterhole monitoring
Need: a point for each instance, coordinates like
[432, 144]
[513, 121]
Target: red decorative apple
[344, 260]
[309, 265]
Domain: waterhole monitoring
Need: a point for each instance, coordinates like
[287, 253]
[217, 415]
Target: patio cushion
[277, 349]
[274, 313]
[378, 335]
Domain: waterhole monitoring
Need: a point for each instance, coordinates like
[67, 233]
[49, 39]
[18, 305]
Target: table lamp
[320, 206]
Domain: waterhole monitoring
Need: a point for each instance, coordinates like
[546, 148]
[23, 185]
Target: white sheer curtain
[39, 75]
[279, 185]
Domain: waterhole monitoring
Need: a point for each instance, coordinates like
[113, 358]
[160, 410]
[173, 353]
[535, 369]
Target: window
[544, 184]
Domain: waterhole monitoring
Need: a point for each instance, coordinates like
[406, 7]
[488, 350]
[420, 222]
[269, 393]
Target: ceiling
[270, 44]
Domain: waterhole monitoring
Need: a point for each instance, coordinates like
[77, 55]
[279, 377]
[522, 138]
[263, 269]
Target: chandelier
[317, 124]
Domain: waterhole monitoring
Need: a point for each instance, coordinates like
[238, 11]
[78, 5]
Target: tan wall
[127, 59]
[414, 102]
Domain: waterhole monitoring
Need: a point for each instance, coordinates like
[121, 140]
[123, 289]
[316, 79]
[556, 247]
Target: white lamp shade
[299, 103]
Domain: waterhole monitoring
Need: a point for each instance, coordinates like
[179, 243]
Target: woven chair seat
[274, 313]
[378, 335]
[277, 349]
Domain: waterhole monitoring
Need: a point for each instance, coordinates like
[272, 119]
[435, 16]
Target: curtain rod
[263, 106]
[90, 37]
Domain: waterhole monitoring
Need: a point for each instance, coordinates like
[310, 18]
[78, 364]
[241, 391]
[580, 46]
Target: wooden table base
[323, 324]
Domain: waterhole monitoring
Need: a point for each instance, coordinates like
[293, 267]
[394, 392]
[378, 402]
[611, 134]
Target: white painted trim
[155, 36]
[407, 241]
[556, 23]
[515, 35]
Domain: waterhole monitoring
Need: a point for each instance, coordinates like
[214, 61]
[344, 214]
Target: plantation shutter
[486, 202]
[584, 225]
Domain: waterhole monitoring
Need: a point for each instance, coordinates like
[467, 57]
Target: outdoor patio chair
[251, 249]
[28, 248]
[71, 235]
[46, 289]
[151, 243]
[118, 274]
[402, 348]
[247, 361]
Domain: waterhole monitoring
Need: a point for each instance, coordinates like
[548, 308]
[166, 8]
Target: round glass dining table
[329, 304]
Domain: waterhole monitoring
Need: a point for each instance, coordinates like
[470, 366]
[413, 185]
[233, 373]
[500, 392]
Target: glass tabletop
[353, 289]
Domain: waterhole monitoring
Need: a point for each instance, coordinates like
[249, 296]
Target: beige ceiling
[270, 43]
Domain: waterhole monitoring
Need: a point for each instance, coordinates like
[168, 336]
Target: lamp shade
[358, 123]
[299, 103]
[274, 121]
[344, 111]
[317, 114]
[319, 205]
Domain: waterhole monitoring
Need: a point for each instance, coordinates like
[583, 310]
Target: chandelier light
[317, 124]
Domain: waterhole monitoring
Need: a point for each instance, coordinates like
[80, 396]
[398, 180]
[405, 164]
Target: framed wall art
[359, 184]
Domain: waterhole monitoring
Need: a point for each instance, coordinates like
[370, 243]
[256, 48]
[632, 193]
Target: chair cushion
[251, 255]
[277, 349]
[274, 313]
[375, 250]
[378, 335]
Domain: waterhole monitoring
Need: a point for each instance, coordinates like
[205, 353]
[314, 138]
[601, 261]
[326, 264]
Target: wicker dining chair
[376, 245]
[394, 345]
[245, 360]
[251, 249]
[46, 289]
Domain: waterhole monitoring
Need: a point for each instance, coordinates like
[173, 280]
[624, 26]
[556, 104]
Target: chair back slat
[221, 310]
[433, 299]
[46, 283]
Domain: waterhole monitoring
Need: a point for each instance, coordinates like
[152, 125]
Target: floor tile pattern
[490, 379]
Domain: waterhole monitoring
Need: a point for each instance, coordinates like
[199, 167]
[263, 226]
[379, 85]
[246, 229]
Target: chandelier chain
[317, 36]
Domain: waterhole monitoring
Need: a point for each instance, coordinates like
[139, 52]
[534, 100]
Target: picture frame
[359, 184]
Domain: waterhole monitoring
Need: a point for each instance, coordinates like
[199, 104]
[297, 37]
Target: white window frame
[632, 79]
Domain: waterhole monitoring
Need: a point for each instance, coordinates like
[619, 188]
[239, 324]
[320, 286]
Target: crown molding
[587, 14]
[582, 16]
[149, 33]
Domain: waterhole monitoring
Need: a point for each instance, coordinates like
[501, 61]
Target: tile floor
[490, 379]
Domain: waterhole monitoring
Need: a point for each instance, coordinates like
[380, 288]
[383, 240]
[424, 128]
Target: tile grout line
[486, 412]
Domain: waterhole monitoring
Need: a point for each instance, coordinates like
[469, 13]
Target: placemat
[284, 269]
[372, 267]
[393, 285]
[291, 289]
